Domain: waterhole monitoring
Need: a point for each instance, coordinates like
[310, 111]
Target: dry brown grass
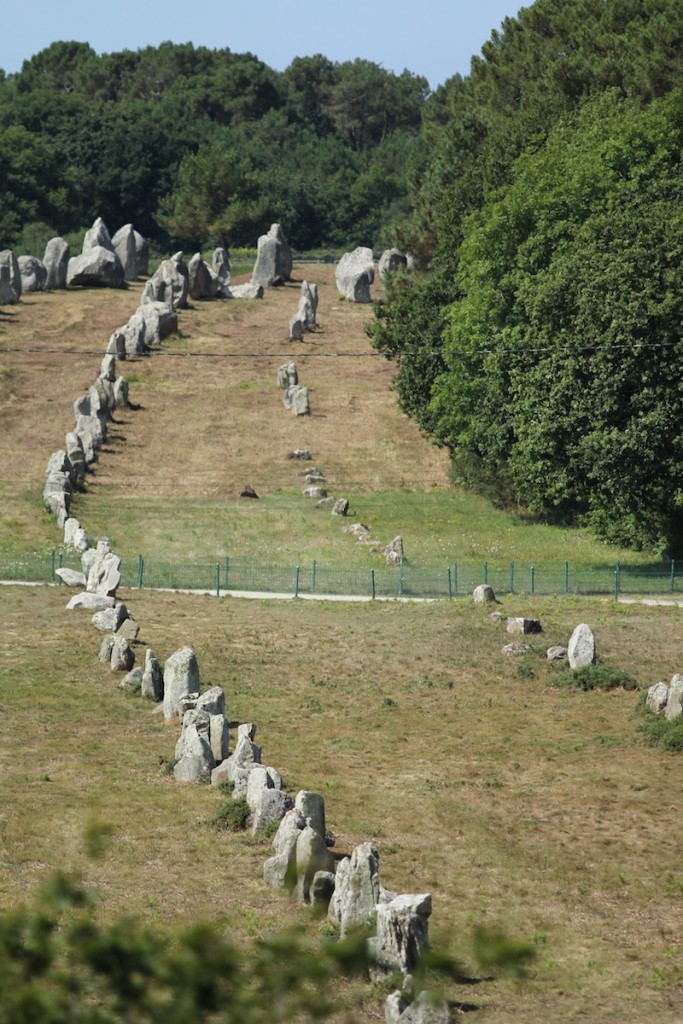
[514, 803]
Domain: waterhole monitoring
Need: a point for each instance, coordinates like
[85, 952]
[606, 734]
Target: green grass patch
[595, 677]
[658, 731]
[232, 816]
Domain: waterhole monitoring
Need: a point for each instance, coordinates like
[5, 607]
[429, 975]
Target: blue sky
[434, 38]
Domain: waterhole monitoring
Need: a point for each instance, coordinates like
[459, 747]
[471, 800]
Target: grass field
[515, 803]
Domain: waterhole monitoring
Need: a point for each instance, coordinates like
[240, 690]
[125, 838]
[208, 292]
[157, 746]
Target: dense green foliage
[658, 731]
[595, 677]
[195, 146]
[542, 346]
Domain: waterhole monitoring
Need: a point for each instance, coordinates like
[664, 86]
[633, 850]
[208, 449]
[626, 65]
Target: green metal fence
[408, 581]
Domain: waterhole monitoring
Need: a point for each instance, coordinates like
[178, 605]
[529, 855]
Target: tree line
[195, 146]
[542, 343]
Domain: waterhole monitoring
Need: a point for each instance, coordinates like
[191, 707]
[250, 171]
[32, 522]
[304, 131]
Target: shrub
[658, 731]
[232, 816]
[595, 677]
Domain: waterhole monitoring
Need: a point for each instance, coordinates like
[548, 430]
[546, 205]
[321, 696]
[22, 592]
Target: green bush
[595, 677]
[232, 816]
[658, 731]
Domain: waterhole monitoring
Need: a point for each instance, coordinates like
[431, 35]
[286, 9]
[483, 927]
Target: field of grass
[518, 805]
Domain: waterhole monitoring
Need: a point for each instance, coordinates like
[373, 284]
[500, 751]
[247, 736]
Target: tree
[563, 355]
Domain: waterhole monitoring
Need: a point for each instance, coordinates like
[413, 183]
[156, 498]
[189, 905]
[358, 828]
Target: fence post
[141, 569]
[372, 583]
[673, 575]
[218, 579]
[617, 573]
[532, 580]
[227, 564]
[296, 583]
[60, 559]
[52, 566]
[400, 580]
[566, 577]
[486, 572]
[450, 583]
[313, 576]
[512, 577]
[455, 577]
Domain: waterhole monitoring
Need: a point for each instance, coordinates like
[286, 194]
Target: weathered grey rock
[121, 393]
[128, 629]
[314, 491]
[308, 304]
[359, 530]
[287, 375]
[203, 283]
[322, 888]
[57, 492]
[288, 830]
[300, 454]
[132, 681]
[104, 576]
[296, 328]
[425, 1009]
[106, 648]
[327, 503]
[674, 700]
[394, 553]
[402, 934]
[160, 320]
[581, 647]
[108, 367]
[74, 450]
[272, 805]
[357, 889]
[517, 624]
[97, 237]
[90, 601]
[116, 345]
[221, 268]
[141, 253]
[213, 703]
[657, 697]
[96, 268]
[169, 284]
[71, 577]
[391, 260]
[300, 401]
[340, 507]
[355, 273]
[280, 871]
[495, 616]
[88, 559]
[152, 686]
[556, 653]
[195, 760]
[248, 730]
[108, 620]
[122, 656]
[516, 649]
[273, 259]
[33, 274]
[311, 807]
[483, 594]
[56, 262]
[125, 247]
[312, 856]
[249, 290]
[181, 677]
[10, 278]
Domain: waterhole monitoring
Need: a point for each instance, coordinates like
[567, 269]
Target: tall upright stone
[56, 260]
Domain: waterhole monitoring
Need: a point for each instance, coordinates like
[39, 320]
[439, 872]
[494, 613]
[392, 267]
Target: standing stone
[10, 278]
[674, 700]
[33, 274]
[483, 594]
[390, 260]
[581, 647]
[203, 283]
[357, 889]
[141, 253]
[108, 367]
[340, 507]
[124, 246]
[355, 273]
[152, 680]
[195, 760]
[96, 267]
[273, 259]
[221, 268]
[122, 656]
[311, 807]
[402, 934]
[104, 576]
[213, 702]
[300, 403]
[56, 260]
[287, 375]
[181, 678]
[657, 697]
[312, 856]
[521, 625]
[394, 553]
[272, 805]
[71, 577]
[97, 237]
